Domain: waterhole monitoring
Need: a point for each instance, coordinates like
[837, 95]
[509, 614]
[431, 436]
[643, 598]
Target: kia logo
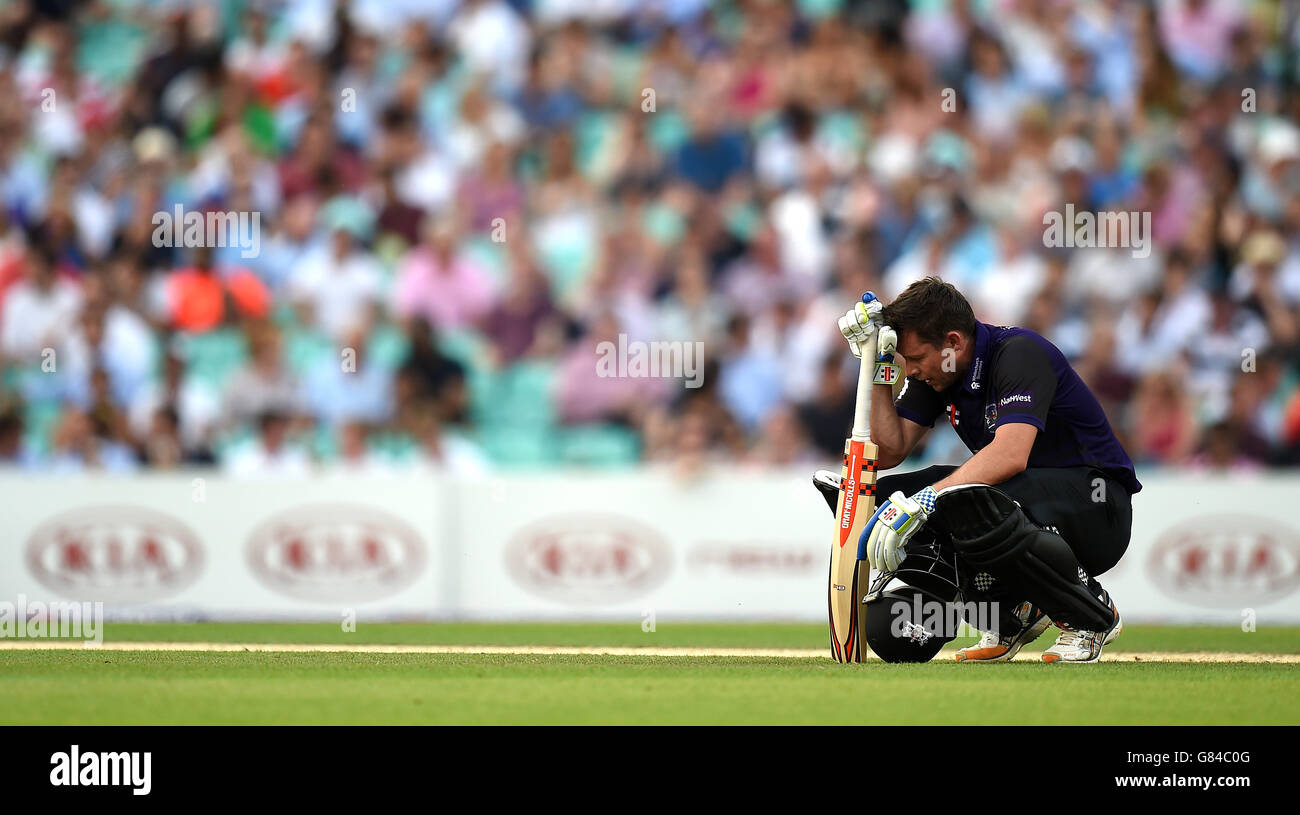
[588, 559]
[114, 554]
[1227, 561]
[333, 552]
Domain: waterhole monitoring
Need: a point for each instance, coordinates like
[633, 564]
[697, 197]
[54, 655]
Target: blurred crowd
[458, 200]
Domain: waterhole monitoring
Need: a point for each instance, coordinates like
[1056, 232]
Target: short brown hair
[930, 308]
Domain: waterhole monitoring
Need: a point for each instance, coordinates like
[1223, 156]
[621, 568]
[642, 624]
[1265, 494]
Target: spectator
[750, 378]
[263, 385]
[339, 284]
[356, 456]
[1256, 284]
[525, 321]
[705, 436]
[398, 218]
[443, 453]
[349, 385]
[714, 153]
[293, 242]
[440, 284]
[270, 454]
[480, 192]
[492, 40]
[492, 197]
[438, 381]
[119, 341]
[1164, 422]
[828, 416]
[1198, 33]
[15, 450]
[996, 96]
[39, 312]
[783, 443]
[84, 443]
[195, 402]
[594, 386]
[162, 448]
[1222, 448]
[200, 300]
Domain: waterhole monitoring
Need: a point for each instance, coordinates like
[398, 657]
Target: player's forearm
[886, 427]
[992, 465]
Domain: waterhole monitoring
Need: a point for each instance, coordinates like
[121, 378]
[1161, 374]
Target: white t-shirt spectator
[453, 455]
[492, 39]
[1144, 350]
[252, 391]
[428, 182]
[1005, 292]
[340, 292]
[33, 319]
[805, 252]
[253, 460]
[1217, 356]
[1286, 281]
[127, 353]
[1112, 276]
[466, 142]
[96, 222]
[198, 407]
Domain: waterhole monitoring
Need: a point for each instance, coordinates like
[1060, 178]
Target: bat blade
[848, 575]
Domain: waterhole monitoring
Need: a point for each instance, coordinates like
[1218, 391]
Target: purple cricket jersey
[1017, 375]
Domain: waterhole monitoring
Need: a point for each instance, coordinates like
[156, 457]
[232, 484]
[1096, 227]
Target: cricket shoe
[828, 484]
[997, 648]
[1083, 646]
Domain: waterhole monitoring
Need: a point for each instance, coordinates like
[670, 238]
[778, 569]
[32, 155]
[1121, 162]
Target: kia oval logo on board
[1227, 561]
[336, 552]
[114, 554]
[588, 558]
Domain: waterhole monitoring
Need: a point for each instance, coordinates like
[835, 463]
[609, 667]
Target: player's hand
[860, 323]
[892, 526]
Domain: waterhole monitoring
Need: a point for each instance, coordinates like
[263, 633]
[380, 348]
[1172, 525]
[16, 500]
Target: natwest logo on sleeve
[114, 554]
[1227, 561]
[336, 552]
[588, 558]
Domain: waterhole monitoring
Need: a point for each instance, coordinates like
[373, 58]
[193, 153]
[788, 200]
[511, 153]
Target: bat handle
[862, 405]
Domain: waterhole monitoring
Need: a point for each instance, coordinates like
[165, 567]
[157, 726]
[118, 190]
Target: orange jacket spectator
[197, 297]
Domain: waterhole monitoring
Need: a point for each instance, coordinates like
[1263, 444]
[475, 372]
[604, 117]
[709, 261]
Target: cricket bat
[849, 577]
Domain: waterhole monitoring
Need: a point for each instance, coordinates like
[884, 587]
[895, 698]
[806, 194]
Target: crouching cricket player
[1024, 526]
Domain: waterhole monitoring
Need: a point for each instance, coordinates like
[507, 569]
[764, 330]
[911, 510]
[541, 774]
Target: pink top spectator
[584, 395]
[449, 294]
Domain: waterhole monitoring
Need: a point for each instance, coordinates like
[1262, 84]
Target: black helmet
[929, 565]
[894, 624]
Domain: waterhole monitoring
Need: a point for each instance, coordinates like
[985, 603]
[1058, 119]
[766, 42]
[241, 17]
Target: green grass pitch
[188, 687]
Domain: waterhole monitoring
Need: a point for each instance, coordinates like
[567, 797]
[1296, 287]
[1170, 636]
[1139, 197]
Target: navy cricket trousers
[1064, 497]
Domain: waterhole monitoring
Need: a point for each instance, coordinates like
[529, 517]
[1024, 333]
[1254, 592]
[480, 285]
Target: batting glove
[892, 526]
[886, 372]
[859, 324]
